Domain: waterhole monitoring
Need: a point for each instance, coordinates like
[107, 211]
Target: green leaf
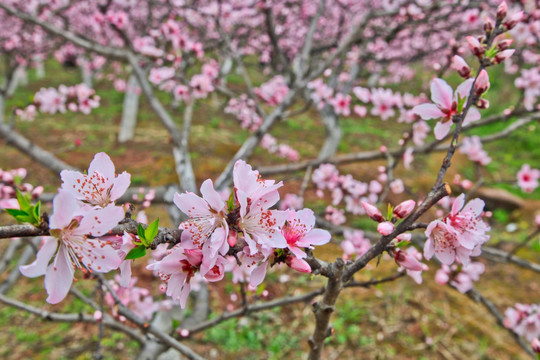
[390, 212]
[151, 231]
[230, 202]
[140, 232]
[24, 204]
[136, 253]
[36, 211]
[492, 51]
[16, 212]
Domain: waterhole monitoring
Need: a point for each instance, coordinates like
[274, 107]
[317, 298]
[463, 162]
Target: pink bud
[442, 277]
[513, 21]
[78, 142]
[231, 239]
[372, 212]
[298, 264]
[503, 55]
[501, 11]
[474, 45]
[504, 44]
[408, 261]
[383, 149]
[482, 83]
[461, 66]
[404, 209]
[488, 25]
[98, 315]
[537, 220]
[37, 192]
[385, 228]
[482, 104]
[405, 237]
[183, 332]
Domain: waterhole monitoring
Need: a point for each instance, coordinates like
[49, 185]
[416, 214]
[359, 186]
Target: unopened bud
[503, 55]
[298, 264]
[475, 46]
[501, 11]
[482, 83]
[513, 21]
[482, 104]
[535, 344]
[461, 66]
[385, 228]
[488, 25]
[404, 209]
[504, 44]
[372, 212]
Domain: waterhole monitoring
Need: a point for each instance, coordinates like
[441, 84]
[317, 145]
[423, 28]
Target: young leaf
[136, 253]
[16, 212]
[140, 232]
[24, 204]
[151, 231]
[36, 212]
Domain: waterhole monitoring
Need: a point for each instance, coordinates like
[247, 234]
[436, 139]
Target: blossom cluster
[461, 277]
[460, 234]
[524, 320]
[244, 222]
[78, 98]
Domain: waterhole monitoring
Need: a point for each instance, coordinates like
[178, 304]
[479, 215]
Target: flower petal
[59, 277]
[442, 129]
[44, 255]
[102, 164]
[211, 196]
[428, 111]
[441, 93]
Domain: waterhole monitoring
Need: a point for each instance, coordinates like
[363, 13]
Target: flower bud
[513, 21]
[488, 25]
[372, 212]
[407, 261]
[385, 228]
[501, 11]
[405, 237]
[535, 344]
[482, 83]
[461, 66]
[474, 45]
[298, 264]
[503, 55]
[504, 44]
[482, 104]
[404, 209]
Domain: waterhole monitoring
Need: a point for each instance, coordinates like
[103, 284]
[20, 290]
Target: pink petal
[245, 178]
[458, 204]
[257, 276]
[125, 273]
[191, 205]
[59, 277]
[306, 217]
[120, 185]
[475, 206]
[429, 251]
[428, 111]
[100, 256]
[102, 164]
[297, 251]
[212, 196]
[472, 115]
[65, 207]
[44, 255]
[446, 255]
[464, 88]
[441, 93]
[442, 129]
[315, 237]
[100, 221]
[70, 183]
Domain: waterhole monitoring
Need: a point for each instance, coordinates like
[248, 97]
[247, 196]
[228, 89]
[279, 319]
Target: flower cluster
[10, 182]
[51, 101]
[246, 222]
[83, 212]
[524, 320]
[461, 277]
[460, 234]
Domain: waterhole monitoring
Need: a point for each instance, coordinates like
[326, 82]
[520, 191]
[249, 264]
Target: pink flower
[291, 201]
[472, 147]
[442, 242]
[410, 261]
[385, 228]
[335, 216]
[206, 227]
[408, 157]
[342, 104]
[445, 106]
[466, 220]
[354, 244]
[299, 232]
[255, 196]
[70, 224]
[528, 178]
[101, 186]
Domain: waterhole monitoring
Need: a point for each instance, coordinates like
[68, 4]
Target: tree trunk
[129, 111]
[333, 133]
